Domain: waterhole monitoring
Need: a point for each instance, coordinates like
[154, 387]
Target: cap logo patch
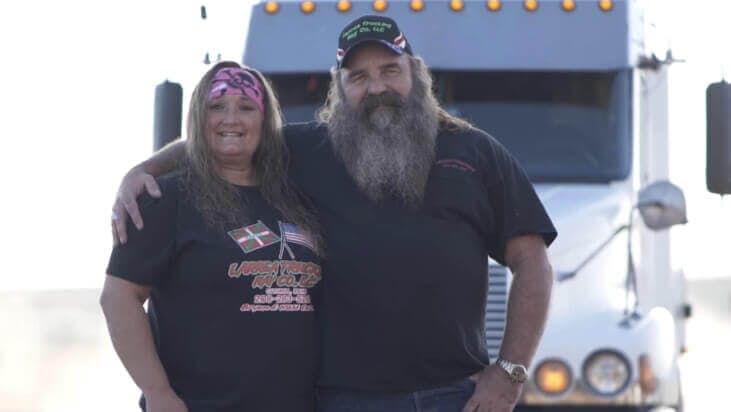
[366, 26]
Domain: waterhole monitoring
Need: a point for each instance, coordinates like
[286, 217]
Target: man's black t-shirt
[231, 310]
[403, 303]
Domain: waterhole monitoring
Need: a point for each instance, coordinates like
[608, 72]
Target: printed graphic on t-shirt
[293, 234]
[258, 235]
[284, 284]
[254, 237]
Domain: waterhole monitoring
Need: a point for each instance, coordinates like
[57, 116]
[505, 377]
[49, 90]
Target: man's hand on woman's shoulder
[125, 205]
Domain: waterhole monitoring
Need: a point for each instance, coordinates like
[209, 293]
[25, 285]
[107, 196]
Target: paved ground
[55, 355]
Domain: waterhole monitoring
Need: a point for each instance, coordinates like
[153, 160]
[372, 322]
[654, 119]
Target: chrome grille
[498, 284]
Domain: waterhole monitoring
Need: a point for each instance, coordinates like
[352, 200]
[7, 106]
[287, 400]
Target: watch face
[519, 374]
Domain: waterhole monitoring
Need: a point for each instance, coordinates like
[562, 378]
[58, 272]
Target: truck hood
[585, 216]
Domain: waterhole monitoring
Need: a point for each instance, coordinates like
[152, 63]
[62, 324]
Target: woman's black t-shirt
[231, 311]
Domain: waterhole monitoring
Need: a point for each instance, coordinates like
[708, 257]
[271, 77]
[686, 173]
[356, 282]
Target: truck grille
[496, 309]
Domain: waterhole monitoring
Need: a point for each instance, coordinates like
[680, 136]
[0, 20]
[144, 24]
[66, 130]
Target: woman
[229, 263]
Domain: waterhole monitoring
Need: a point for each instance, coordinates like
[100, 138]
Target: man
[411, 201]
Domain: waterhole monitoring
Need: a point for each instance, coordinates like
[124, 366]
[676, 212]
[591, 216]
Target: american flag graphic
[400, 41]
[253, 237]
[293, 234]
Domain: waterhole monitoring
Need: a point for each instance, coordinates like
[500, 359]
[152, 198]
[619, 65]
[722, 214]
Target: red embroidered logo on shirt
[456, 164]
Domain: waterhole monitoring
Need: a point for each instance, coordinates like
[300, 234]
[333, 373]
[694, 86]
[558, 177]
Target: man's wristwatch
[518, 373]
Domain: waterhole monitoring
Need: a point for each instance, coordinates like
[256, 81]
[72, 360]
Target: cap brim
[394, 48]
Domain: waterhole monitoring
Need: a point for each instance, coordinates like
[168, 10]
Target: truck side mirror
[718, 139]
[168, 113]
[662, 205]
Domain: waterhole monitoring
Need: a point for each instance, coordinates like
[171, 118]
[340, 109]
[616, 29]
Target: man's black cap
[379, 29]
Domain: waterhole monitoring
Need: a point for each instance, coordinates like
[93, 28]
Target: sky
[78, 81]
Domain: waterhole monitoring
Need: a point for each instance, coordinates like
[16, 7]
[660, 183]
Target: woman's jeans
[448, 398]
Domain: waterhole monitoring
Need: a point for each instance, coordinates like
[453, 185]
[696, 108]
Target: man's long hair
[218, 200]
[389, 153]
[419, 73]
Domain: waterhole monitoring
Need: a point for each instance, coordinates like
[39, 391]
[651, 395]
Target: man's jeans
[448, 398]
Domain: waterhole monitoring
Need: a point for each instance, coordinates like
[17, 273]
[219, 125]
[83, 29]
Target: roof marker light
[417, 5]
[307, 7]
[531, 5]
[606, 5]
[494, 5]
[456, 5]
[568, 5]
[343, 6]
[271, 7]
[380, 5]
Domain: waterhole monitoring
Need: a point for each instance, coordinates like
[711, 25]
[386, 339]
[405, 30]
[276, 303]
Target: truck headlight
[606, 372]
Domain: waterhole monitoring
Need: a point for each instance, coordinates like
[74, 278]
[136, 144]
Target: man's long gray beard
[388, 150]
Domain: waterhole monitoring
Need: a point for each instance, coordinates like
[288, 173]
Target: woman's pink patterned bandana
[233, 80]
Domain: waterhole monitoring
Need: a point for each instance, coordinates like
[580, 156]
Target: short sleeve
[304, 136]
[148, 254]
[517, 209]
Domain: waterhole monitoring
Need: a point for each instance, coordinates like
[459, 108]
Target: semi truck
[576, 93]
[570, 88]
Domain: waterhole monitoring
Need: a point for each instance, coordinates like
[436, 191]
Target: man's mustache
[371, 102]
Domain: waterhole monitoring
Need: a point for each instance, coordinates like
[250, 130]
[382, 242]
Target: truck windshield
[562, 127]
[300, 95]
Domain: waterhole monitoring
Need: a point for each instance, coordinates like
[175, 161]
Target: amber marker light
[606, 5]
[380, 5]
[456, 5]
[307, 7]
[271, 7]
[648, 383]
[553, 377]
[494, 5]
[343, 6]
[568, 5]
[531, 5]
[417, 5]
